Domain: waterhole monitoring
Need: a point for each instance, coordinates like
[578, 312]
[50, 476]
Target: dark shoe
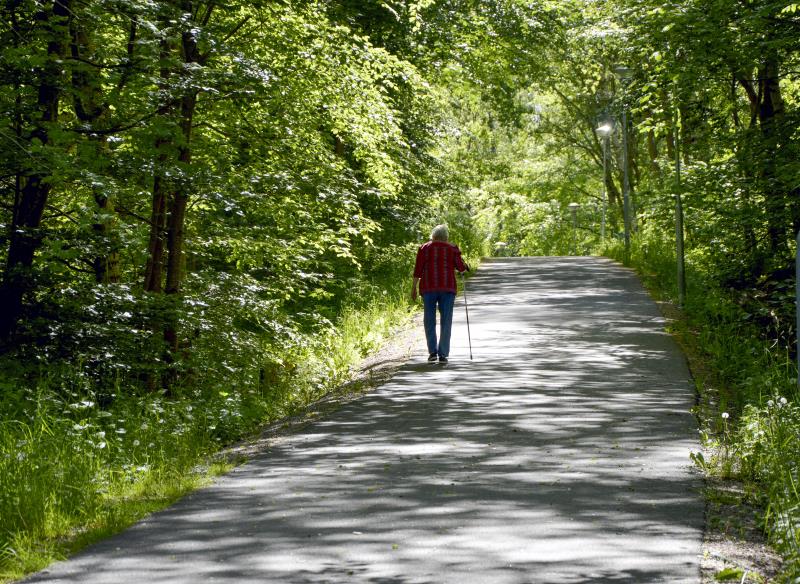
[443, 360]
[432, 357]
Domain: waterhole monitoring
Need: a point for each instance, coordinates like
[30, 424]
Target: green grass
[766, 448]
[71, 472]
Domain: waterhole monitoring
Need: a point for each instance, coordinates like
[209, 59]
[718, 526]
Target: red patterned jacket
[435, 265]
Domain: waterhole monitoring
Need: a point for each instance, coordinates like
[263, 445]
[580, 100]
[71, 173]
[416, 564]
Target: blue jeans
[445, 302]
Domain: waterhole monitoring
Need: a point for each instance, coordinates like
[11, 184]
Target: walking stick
[466, 308]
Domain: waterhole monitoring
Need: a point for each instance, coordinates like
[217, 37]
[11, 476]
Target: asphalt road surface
[559, 454]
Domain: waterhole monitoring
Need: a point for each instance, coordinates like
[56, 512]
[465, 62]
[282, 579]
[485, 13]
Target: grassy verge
[75, 469]
[750, 421]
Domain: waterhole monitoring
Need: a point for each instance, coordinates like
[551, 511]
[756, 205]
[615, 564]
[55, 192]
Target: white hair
[440, 233]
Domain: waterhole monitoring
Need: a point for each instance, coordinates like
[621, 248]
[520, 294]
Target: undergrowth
[78, 463]
[747, 380]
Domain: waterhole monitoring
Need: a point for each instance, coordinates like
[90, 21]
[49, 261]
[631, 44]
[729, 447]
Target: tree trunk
[153, 276]
[652, 150]
[180, 194]
[178, 202]
[770, 118]
[154, 270]
[25, 236]
[614, 196]
[90, 108]
[106, 265]
[177, 218]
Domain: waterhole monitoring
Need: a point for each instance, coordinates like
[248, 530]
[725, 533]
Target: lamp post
[573, 207]
[625, 74]
[605, 131]
[679, 251]
[797, 304]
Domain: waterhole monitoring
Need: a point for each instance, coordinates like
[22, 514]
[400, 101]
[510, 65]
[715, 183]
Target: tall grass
[68, 467]
[766, 448]
[754, 431]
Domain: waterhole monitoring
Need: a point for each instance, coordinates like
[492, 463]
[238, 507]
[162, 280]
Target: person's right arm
[419, 268]
[460, 264]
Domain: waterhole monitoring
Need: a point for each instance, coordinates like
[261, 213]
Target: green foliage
[729, 574]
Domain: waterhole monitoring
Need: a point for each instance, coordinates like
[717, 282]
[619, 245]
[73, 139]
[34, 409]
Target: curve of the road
[559, 454]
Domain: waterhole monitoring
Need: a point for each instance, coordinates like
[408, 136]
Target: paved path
[560, 454]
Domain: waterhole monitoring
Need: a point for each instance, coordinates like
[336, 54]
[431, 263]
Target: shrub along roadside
[74, 469]
[749, 417]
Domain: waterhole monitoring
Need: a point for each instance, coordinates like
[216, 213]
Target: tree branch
[122, 128]
[76, 268]
[125, 211]
[207, 16]
[126, 72]
[213, 128]
[97, 65]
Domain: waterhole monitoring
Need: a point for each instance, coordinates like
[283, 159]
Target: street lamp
[679, 251]
[573, 207]
[625, 74]
[605, 131]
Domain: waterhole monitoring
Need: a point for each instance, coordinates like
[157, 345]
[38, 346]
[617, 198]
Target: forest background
[210, 210]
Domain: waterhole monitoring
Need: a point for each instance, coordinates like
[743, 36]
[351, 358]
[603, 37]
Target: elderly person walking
[434, 274]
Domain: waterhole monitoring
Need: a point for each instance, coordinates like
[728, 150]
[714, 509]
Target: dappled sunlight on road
[559, 454]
